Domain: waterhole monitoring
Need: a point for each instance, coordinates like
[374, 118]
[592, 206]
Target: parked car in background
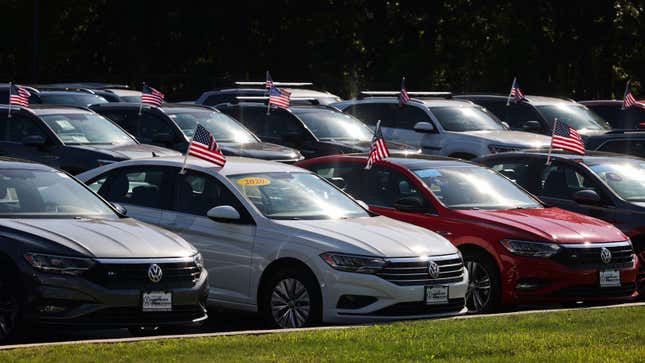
[601, 185]
[536, 113]
[173, 125]
[516, 250]
[314, 130]
[69, 98]
[438, 124]
[69, 258]
[4, 93]
[69, 138]
[619, 141]
[282, 241]
[299, 95]
[632, 118]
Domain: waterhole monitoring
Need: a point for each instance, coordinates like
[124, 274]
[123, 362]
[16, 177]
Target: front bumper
[69, 300]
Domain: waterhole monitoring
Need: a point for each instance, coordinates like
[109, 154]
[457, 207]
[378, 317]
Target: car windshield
[47, 194]
[223, 128]
[473, 187]
[333, 125]
[577, 116]
[86, 129]
[625, 177]
[81, 100]
[296, 196]
[465, 119]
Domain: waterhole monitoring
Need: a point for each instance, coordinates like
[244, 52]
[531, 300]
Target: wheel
[10, 303]
[484, 287]
[291, 299]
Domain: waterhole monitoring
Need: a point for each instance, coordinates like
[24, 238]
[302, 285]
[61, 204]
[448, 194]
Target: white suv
[441, 126]
[283, 241]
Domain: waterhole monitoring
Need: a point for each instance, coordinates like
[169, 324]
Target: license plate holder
[152, 301]
[436, 295]
[609, 278]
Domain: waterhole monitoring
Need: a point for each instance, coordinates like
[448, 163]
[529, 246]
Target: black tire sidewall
[494, 303]
[310, 283]
[20, 327]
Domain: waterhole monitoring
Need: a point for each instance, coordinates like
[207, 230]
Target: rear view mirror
[586, 196]
[223, 213]
[338, 181]
[531, 126]
[33, 140]
[423, 127]
[410, 205]
[506, 125]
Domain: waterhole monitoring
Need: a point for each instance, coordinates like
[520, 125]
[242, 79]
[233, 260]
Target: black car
[172, 126]
[70, 258]
[314, 130]
[110, 91]
[629, 142]
[631, 118]
[69, 138]
[70, 98]
[299, 96]
[536, 113]
[607, 186]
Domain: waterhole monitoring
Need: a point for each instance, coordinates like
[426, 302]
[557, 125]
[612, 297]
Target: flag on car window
[378, 150]
[269, 82]
[151, 96]
[404, 97]
[567, 138]
[279, 97]
[628, 99]
[516, 93]
[204, 146]
[18, 96]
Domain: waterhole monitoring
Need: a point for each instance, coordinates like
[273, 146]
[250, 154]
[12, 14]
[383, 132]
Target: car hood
[551, 224]
[379, 236]
[515, 138]
[261, 150]
[364, 146]
[105, 238]
[129, 151]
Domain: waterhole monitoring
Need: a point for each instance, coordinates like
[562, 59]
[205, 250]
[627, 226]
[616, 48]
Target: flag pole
[183, 166]
[622, 108]
[269, 104]
[9, 115]
[508, 100]
[548, 157]
[141, 101]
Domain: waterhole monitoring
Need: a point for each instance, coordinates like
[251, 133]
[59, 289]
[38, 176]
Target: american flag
[18, 96]
[269, 81]
[204, 146]
[516, 92]
[279, 97]
[628, 100]
[151, 96]
[566, 138]
[404, 97]
[378, 150]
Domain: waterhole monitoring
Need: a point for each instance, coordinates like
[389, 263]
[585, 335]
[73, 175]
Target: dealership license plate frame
[609, 278]
[156, 301]
[436, 294]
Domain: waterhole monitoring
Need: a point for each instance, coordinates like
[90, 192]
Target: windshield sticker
[256, 182]
[65, 125]
[428, 173]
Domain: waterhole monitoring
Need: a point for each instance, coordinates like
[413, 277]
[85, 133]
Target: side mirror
[586, 196]
[531, 126]
[338, 181]
[506, 125]
[120, 209]
[363, 204]
[163, 138]
[223, 213]
[424, 127]
[410, 204]
[33, 140]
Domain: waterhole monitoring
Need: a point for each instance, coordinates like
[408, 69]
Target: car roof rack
[416, 94]
[285, 84]
[265, 99]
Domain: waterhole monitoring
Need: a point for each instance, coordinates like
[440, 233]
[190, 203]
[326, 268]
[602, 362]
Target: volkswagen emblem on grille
[433, 269]
[605, 255]
[155, 273]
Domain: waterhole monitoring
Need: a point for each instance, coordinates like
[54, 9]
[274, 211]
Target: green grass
[598, 335]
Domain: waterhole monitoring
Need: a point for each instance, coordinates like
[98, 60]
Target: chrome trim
[135, 261]
[627, 243]
[424, 258]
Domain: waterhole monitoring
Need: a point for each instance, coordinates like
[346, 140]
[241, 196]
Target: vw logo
[155, 273]
[605, 255]
[433, 269]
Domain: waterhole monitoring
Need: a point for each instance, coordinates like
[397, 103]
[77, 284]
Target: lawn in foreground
[595, 335]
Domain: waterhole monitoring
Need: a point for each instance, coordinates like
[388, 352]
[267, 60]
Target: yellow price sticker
[257, 182]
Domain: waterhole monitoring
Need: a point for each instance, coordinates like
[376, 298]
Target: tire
[291, 298]
[11, 302]
[484, 293]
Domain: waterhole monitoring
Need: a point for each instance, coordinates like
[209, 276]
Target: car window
[214, 100]
[386, 186]
[273, 127]
[16, 128]
[517, 114]
[128, 120]
[152, 125]
[465, 118]
[497, 108]
[221, 125]
[609, 113]
[562, 181]
[518, 172]
[351, 173]
[407, 116]
[626, 177]
[334, 125]
[86, 129]
[577, 116]
[634, 147]
[140, 186]
[370, 113]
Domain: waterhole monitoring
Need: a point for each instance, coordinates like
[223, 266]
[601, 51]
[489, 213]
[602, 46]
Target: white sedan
[283, 241]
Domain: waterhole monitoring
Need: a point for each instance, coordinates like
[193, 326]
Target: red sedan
[516, 250]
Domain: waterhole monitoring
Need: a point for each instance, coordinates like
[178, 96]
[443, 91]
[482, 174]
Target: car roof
[531, 99]
[295, 92]
[602, 102]
[234, 165]
[589, 156]
[123, 92]
[428, 102]
[67, 92]
[166, 107]
[13, 163]
[38, 109]
[412, 162]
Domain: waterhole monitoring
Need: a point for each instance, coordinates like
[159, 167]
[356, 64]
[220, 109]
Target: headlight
[353, 263]
[501, 148]
[530, 249]
[59, 264]
[199, 260]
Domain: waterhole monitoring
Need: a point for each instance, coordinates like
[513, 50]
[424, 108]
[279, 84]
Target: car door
[15, 135]
[226, 247]
[521, 171]
[406, 116]
[370, 113]
[558, 183]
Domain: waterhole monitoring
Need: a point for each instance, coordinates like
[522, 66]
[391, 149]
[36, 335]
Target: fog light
[354, 301]
[530, 284]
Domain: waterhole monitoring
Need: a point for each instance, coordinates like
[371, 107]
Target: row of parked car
[144, 243]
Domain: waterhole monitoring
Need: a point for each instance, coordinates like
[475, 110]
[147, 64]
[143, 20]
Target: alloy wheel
[479, 288]
[9, 310]
[290, 304]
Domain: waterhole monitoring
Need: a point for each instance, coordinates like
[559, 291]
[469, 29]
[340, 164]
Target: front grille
[414, 271]
[420, 308]
[596, 291]
[588, 256]
[135, 275]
